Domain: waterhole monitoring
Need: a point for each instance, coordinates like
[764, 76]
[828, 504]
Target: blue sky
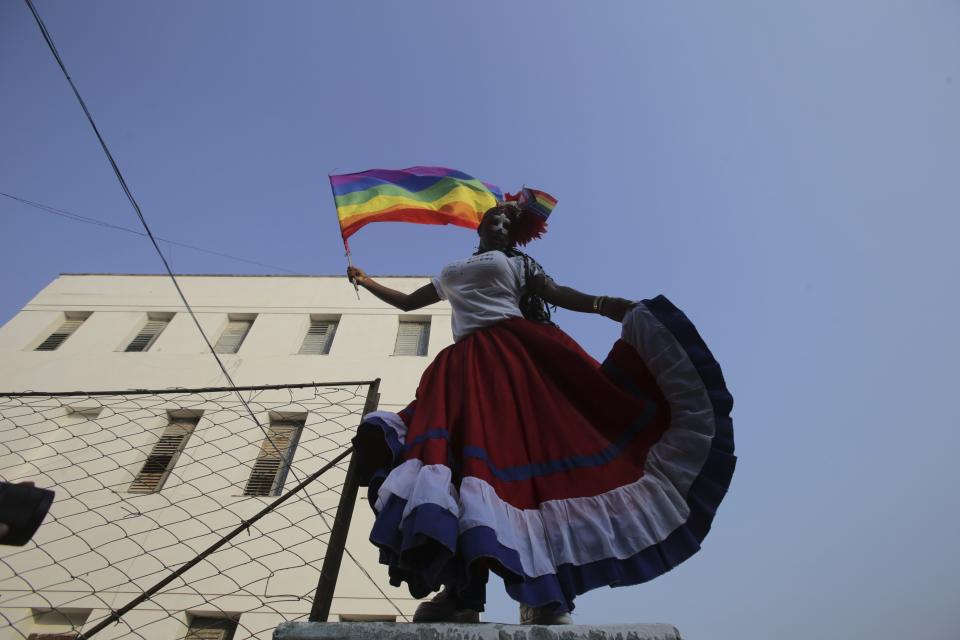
[787, 173]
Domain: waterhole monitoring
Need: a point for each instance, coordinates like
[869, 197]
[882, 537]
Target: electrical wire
[173, 278]
[140, 216]
[143, 220]
[109, 225]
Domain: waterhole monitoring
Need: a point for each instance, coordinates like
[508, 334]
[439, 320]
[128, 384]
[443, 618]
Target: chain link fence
[148, 483]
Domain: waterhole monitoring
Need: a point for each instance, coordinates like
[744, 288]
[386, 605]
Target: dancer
[524, 456]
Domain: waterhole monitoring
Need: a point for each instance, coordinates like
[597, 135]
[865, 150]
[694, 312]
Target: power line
[166, 265]
[109, 225]
[149, 233]
[143, 220]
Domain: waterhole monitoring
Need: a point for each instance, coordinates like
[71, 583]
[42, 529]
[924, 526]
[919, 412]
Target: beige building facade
[146, 479]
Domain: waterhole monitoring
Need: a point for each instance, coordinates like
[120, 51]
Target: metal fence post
[323, 597]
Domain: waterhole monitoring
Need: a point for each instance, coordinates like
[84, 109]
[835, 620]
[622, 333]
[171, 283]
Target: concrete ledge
[482, 631]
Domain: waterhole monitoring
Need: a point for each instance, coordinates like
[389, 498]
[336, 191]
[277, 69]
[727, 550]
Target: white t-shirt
[482, 290]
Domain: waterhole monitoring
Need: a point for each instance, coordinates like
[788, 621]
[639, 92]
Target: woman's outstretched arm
[569, 298]
[425, 295]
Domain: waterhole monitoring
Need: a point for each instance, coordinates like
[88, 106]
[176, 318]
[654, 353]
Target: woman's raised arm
[568, 298]
[425, 295]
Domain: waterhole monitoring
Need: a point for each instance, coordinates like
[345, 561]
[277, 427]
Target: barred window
[234, 334]
[70, 324]
[413, 337]
[211, 629]
[84, 413]
[163, 456]
[276, 451]
[319, 337]
[149, 333]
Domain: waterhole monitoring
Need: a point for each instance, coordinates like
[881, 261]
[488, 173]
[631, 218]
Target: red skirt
[523, 455]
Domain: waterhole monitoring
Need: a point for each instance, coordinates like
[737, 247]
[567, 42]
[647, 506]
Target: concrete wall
[125, 542]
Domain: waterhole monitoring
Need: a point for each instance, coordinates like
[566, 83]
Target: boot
[445, 607]
[543, 615]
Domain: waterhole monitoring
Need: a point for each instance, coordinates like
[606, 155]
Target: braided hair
[532, 305]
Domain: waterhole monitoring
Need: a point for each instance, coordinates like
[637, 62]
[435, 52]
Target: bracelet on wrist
[598, 303]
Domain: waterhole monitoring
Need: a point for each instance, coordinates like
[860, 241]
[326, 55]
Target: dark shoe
[445, 607]
[543, 616]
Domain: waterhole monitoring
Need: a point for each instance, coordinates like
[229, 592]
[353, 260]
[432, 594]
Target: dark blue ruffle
[417, 550]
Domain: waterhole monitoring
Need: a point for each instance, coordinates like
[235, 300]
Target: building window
[276, 451]
[58, 624]
[319, 337]
[84, 413]
[211, 629]
[163, 456]
[412, 338]
[150, 331]
[71, 323]
[234, 334]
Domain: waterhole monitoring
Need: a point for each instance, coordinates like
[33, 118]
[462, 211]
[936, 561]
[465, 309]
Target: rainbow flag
[424, 195]
[539, 202]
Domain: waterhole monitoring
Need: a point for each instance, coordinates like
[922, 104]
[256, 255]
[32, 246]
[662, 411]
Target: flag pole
[350, 264]
[346, 247]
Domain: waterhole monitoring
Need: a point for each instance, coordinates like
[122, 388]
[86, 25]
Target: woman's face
[495, 228]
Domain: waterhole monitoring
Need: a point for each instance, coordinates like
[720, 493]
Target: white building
[144, 481]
